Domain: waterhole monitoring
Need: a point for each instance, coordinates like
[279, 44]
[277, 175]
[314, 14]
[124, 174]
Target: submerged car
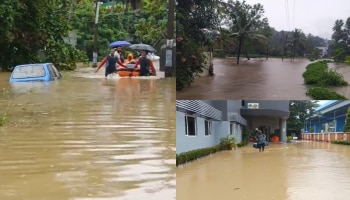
[35, 72]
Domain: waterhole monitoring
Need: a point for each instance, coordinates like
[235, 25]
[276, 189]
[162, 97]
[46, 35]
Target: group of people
[115, 60]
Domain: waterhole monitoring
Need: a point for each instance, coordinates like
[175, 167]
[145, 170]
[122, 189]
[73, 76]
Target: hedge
[321, 93]
[341, 142]
[188, 156]
[317, 73]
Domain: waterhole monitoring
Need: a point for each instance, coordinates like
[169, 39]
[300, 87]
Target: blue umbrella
[119, 44]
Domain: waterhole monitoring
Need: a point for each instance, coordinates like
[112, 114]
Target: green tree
[191, 17]
[29, 26]
[341, 37]
[347, 122]
[243, 21]
[300, 110]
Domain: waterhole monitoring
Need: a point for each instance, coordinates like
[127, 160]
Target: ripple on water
[136, 156]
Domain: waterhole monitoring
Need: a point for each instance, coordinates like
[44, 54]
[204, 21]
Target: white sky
[321, 102]
[312, 16]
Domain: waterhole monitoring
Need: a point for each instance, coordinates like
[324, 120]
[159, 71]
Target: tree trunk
[239, 50]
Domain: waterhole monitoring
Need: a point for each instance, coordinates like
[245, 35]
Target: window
[207, 124]
[231, 128]
[28, 71]
[57, 73]
[190, 123]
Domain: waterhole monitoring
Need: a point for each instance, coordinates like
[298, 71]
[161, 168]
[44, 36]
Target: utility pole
[169, 52]
[94, 54]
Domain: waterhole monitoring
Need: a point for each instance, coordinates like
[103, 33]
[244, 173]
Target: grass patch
[341, 142]
[322, 93]
[189, 156]
[320, 78]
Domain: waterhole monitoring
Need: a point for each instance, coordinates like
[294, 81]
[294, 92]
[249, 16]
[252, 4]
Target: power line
[293, 14]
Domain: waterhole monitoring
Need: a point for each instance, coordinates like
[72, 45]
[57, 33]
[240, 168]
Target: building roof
[328, 104]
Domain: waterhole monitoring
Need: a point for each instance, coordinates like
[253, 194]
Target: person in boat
[260, 138]
[130, 59]
[146, 65]
[119, 54]
[111, 61]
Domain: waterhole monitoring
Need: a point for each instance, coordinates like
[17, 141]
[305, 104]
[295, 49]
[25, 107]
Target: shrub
[321, 93]
[289, 138]
[241, 144]
[347, 122]
[341, 142]
[219, 53]
[318, 74]
[185, 157]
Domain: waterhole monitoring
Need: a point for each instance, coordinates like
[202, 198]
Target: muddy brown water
[344, 69]
[88, 139]
[254, 79]
[296, 171]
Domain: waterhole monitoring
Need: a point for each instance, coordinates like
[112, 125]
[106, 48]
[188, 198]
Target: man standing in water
[260, 138]
[146, 65]
[111, 60]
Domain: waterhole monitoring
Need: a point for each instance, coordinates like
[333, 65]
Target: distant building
[330, 118]
[201, 123]
[328, 124]
[324, 51]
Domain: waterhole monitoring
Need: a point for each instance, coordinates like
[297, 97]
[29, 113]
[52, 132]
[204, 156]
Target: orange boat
[128, 72]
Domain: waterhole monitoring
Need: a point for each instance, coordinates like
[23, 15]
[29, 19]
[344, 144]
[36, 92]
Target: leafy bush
[185, 157]
[341, 142]
[347, 60]
[347, 122]
[219, 53]
[228, 142]
[289, 138]
[321, 93]
[241, 144]
[318, 74]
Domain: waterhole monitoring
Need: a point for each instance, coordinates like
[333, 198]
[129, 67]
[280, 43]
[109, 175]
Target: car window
[58, 74]
[52, 72]
[28, 71]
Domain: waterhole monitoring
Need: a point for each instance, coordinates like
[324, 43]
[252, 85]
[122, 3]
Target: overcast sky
[312, 16]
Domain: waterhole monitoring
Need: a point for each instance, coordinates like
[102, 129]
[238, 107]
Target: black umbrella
[141, 47]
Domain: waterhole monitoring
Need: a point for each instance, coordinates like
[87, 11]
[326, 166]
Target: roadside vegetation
[226, 143]
[341, 142]
[44, 38]
[319, 78]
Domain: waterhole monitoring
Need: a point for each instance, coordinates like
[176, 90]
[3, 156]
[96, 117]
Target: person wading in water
[111, 61]
[146, 65]
[260, 138]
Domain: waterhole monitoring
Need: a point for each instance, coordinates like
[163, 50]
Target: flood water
[254, 79]
[296, 171]
[88, 139]
[344, 69]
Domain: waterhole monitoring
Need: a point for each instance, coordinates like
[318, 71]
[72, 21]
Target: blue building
[330, 118]
[201, 123]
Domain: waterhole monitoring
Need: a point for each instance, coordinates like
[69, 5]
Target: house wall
[187, 143]
[220, 129]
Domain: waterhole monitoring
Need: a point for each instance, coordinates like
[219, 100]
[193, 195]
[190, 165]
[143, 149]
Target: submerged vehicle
[35, 72]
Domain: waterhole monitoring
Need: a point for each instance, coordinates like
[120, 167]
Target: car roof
[34, 64]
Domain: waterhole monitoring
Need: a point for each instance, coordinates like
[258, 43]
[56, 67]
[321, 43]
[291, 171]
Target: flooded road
[254, 79]
[88, 139]
[296, 171]
[344, 69]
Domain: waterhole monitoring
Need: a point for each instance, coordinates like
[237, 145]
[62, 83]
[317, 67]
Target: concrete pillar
[283, 130]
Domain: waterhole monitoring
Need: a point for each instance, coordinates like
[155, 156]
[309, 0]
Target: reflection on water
[254, 79]
[301, 170]
[81, 138]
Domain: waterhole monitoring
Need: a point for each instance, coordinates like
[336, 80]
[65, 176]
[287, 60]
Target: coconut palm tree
[244, 21]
